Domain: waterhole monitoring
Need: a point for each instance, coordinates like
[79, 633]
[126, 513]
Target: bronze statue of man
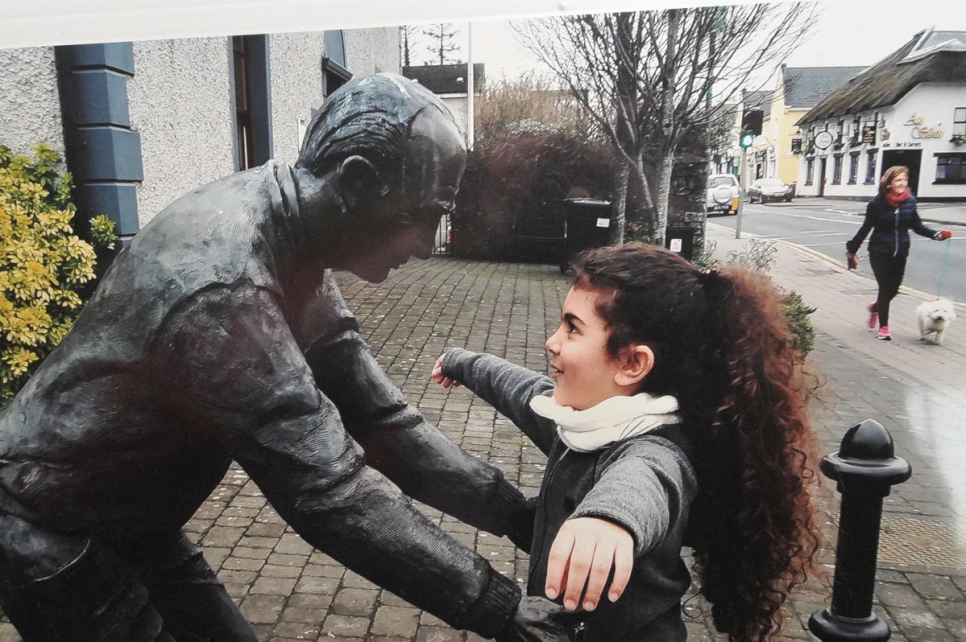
[219, 334]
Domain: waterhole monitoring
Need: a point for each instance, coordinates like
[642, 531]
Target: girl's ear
[636, 361]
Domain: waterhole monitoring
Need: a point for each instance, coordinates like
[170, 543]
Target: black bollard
[865, 469]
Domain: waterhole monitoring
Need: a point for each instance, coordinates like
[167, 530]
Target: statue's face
[435, 158]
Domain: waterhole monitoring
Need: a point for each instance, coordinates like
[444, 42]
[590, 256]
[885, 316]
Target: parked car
[724, 194]
[770, 189]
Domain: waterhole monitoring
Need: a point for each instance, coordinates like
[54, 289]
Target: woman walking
[889, 216]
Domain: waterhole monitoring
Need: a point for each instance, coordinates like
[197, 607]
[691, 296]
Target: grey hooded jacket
[645, 484]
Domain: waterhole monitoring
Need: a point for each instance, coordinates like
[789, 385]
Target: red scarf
[894, 199]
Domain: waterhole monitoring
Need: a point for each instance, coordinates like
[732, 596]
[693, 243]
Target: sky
[857, 33]
[848, 33]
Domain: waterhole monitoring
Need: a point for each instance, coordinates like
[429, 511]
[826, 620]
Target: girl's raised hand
[582, 555]
[437, 375]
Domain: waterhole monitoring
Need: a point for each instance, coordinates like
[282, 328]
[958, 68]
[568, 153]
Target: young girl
[677, 417]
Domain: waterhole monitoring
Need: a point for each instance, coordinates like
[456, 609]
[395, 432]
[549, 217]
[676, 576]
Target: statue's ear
[360, 182]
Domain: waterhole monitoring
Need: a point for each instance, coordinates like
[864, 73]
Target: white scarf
[611, 420]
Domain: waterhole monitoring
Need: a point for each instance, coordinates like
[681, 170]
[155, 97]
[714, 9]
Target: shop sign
[823, 139]
[868, 134]
[919, 128]
[907, 144]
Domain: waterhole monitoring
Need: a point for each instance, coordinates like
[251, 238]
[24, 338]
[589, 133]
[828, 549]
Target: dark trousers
[889, 271]
[59, 588]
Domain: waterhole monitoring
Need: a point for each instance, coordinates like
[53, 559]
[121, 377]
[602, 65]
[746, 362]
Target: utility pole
[750, 127]
[741, 196]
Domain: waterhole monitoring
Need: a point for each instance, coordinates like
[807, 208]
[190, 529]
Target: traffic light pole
[751, 120]
[742, 191]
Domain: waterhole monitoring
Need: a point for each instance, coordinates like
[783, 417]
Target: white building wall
[29, 100]
[181, 103]
[921, 121]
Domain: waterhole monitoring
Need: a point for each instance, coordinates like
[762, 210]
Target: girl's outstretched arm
[583, 554]
[441, 379]
[505, 386]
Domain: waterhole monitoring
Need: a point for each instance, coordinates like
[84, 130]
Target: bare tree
[646, 77]
[408, 33]
[442, 45]
[723, 130]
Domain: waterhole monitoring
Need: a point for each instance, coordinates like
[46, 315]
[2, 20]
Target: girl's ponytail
[753, 528]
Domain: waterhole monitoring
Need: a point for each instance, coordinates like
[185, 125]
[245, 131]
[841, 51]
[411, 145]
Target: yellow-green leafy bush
[44, 265]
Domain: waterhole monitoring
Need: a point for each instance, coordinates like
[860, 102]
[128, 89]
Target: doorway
[911, 158]
[822, 162]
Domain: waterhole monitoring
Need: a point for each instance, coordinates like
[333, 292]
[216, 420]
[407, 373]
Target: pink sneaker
[884, 334]
[873, 317]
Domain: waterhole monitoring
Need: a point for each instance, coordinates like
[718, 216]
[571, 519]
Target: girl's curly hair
[723, 348]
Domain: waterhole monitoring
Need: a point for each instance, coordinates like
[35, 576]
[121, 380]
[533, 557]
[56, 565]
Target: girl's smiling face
[584, 371]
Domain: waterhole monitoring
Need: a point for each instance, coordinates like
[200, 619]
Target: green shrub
[43, 264]
[796, 313]
[759, 256]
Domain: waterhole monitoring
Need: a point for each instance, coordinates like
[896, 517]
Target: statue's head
[395, 155]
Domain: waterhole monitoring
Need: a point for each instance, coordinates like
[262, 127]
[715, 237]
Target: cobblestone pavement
[291, 592]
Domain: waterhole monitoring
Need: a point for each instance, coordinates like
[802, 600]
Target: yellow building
[797, 90]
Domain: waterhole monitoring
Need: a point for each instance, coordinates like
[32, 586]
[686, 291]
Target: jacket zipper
[577, 632]
[895, 234]
[538, 554]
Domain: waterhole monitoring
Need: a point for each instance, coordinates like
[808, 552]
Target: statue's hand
[540, 620]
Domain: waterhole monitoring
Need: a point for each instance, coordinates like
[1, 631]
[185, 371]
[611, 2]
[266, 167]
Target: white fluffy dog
[934, 317]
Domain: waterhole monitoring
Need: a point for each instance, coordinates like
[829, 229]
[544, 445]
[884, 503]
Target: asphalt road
[933, 267]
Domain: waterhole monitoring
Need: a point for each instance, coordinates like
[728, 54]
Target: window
[853, 167]
[719, 180]
[333, 76]
[959, 121]
[334, 72]
[870, 166]
[837, 169]
[252, 100]
[809, 170]
[243, 117]
[951, 168]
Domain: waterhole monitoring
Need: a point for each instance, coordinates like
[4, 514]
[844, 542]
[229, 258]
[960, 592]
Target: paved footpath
[291, 592]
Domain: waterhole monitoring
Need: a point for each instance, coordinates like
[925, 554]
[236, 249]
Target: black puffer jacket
[890, 227]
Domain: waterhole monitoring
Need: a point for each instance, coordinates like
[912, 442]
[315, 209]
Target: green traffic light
[746, 140]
